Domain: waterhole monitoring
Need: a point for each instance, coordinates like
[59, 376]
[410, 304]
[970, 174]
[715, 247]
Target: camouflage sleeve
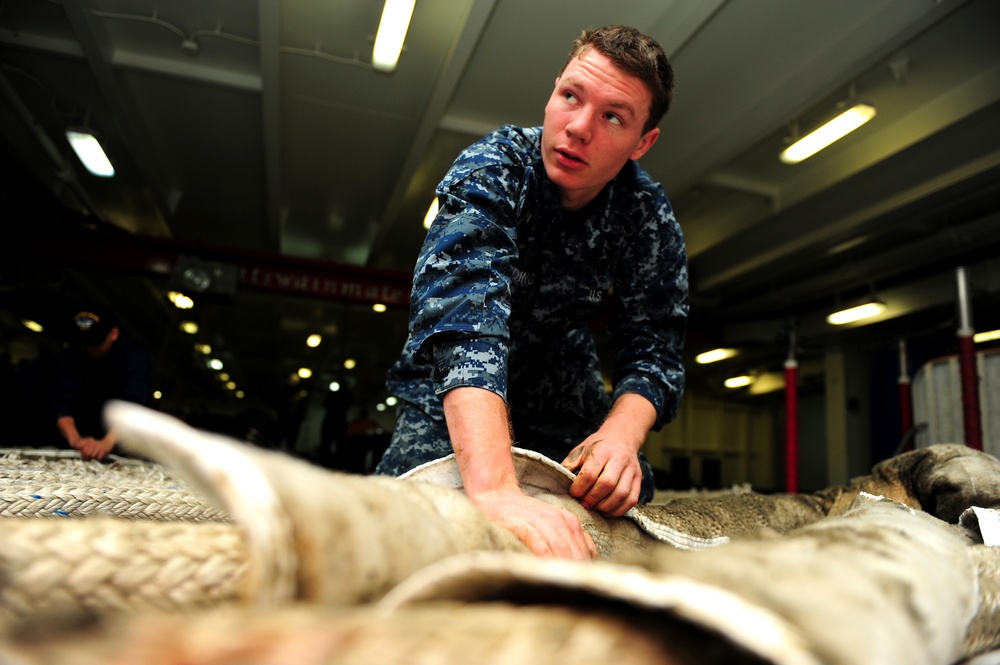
[461, 290]
[651, 317]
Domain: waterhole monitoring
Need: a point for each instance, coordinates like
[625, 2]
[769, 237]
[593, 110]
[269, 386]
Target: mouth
[569, 158]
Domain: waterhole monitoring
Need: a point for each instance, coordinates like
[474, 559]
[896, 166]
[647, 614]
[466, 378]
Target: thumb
[574, 460]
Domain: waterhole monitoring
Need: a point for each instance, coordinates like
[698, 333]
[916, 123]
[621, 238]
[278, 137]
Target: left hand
[609, 476]
[95, 449]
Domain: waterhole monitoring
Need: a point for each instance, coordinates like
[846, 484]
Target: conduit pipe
[971, 418]
[791, 418]
[905, 400]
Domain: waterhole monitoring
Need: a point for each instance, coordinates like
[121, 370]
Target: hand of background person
[546, 530]
[93, 449]
[608, 474]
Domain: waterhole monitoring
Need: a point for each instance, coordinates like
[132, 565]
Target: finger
[604, 484]
[625, 495]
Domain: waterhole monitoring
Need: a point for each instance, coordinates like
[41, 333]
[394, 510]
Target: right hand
[546, 530]
[91, 448]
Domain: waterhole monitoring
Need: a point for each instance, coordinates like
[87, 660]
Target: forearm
[630, 420]
[480, 436]
[67, 427]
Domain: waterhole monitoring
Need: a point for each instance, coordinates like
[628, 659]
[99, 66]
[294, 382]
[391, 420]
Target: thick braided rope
[60, 484]
[112, 565]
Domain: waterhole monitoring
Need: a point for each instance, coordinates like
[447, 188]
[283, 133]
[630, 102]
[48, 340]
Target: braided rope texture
[53, 483]
[146, 540]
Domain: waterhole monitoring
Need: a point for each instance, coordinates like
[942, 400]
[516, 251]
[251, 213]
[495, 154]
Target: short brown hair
[637, 55]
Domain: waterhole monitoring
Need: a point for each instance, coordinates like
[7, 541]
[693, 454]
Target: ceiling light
[180, 300]
[313, 341]
[379, 307]
[231, 385]
[203, 349]
[334, 386]
[714, 356]
[157, 394]
[432, 212]
[816, 140]
[350, 363]
[33, 326]
[190, 327]
[90, 152]
[240, 394]
[738, 381]
[391, 33]
[852, 314]
[215, 364]
[380, 407]
[391, 400]
[305, 372]
[223, 376]
[987, 336]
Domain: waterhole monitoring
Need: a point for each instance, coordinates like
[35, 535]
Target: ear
[646, 142]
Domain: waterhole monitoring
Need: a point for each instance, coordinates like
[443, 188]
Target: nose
[580, 126]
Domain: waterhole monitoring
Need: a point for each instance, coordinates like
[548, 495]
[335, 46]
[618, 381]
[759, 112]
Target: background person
[100, 364]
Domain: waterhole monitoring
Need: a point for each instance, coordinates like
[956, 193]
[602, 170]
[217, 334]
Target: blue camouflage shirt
[508, 282]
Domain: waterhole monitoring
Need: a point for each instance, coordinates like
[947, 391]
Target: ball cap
[91, 326]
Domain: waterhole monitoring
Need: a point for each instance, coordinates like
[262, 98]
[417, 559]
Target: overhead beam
[444, 89]
[76, 246]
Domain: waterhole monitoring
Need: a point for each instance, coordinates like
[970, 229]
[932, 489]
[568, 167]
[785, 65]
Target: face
[593, 125]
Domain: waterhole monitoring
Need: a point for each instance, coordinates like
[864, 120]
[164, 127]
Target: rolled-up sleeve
[461, 296]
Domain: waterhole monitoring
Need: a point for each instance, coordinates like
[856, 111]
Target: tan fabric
[772, 579]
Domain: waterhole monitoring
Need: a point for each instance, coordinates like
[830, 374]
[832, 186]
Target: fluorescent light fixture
[866, 311]
[90, 152]
[738, 381]
[432, 212]
[836, 129]
[714, 356]
[391, 34]
[987, 336]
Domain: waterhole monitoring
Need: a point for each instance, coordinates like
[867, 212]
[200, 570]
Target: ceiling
[255, 141]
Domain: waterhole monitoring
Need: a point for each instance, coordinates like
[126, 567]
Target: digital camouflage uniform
[504, 291]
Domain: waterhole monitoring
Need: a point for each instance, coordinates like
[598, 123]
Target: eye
[613, 119]
[569, 96]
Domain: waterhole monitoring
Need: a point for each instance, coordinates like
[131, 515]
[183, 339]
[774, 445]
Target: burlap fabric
[797, 586]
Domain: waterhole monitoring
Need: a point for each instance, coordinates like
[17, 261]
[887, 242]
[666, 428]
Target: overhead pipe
[968, 371]
[791, 416]
[905, 401]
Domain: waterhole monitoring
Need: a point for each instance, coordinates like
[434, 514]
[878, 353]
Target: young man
[537, 228]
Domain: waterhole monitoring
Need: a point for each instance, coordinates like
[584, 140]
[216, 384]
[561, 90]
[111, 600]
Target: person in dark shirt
[539, 230]
[100, 364]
